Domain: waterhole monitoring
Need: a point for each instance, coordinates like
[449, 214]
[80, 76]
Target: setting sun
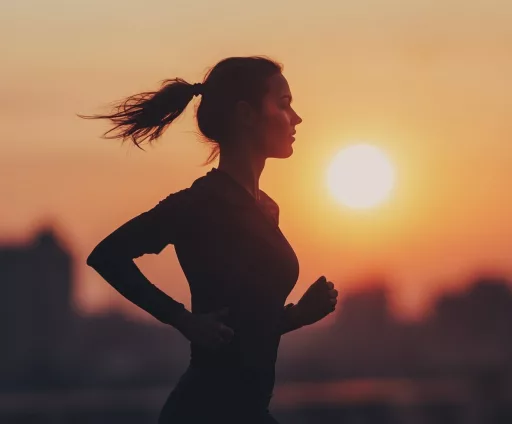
[360, 176]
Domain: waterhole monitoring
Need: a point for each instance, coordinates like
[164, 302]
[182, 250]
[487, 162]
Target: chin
[283, 154]
[282, 150]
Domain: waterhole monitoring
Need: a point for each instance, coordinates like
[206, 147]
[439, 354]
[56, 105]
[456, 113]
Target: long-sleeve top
[233, 255]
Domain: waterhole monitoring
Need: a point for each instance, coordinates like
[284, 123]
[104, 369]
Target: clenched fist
[318, 301]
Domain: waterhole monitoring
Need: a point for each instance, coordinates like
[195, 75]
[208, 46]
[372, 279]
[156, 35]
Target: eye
[287, 101]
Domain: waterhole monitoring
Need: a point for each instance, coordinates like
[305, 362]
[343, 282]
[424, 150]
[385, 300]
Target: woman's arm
[148, 232]
[128, 280]
[317, 302]
[291, 319]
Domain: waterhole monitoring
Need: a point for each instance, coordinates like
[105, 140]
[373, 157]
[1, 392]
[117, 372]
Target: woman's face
[276, 121]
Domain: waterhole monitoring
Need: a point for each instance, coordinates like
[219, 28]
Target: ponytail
[147, 115]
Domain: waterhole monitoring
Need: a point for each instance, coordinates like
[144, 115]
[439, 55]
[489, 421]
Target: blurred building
[35, 308]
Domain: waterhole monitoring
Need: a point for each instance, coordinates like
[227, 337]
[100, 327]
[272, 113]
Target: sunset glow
[428, 86]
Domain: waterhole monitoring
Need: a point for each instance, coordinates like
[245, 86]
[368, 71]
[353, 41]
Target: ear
[244, 113]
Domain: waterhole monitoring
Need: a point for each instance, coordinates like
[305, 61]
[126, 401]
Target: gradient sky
[427, 83]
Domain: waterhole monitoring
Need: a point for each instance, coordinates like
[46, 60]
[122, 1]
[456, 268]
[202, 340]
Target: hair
[147, 115]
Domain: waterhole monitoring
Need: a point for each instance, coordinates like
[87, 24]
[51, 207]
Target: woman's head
[244, 100]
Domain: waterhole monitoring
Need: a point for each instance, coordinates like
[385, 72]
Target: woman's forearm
[129, 281]
[291, 319]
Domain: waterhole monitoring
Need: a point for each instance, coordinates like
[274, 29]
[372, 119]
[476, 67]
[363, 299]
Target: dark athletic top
[233, 255]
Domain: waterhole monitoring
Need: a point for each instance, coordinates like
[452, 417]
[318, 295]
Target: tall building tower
[35, 309]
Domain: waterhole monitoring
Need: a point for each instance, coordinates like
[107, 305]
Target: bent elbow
[93, 260]
[97, 257]
[102, 255]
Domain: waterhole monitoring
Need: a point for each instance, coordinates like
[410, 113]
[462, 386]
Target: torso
[234, 254]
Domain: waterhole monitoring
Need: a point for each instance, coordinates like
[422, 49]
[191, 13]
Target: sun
[360, 176]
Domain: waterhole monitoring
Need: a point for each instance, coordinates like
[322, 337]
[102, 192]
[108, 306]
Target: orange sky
[428, 84]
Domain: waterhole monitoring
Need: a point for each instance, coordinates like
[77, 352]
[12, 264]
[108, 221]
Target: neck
[244, 167]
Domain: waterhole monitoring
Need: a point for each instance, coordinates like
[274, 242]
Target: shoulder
[176, 201]
[189, 200]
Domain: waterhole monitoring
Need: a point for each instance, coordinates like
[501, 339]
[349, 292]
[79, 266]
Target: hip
[220, 395]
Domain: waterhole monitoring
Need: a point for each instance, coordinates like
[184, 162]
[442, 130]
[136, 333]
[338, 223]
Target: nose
[298, 119]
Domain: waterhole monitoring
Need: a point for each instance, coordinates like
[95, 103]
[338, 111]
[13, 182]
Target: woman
[226, 234]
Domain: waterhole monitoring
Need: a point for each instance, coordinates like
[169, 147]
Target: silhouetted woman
[238, 263]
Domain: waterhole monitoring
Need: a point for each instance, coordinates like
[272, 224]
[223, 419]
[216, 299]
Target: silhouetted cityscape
[464, 345]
